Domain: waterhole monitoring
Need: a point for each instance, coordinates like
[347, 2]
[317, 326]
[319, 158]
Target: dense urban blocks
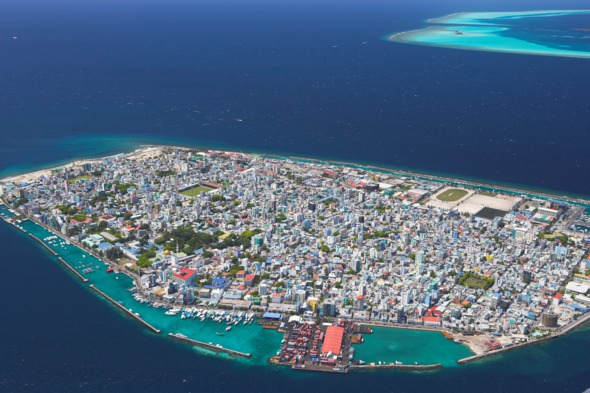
[452, 195]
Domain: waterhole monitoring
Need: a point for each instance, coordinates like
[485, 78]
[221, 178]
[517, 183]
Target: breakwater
[81, 277]
[541, 340]
[13, 224]
[43, 244]
[127, 311]
[406, 367]
[209, 346]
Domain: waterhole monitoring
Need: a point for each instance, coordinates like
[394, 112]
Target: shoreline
[137, 154]
[424, 175]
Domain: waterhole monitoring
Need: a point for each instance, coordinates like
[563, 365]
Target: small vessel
[220, 334]
[227, 329]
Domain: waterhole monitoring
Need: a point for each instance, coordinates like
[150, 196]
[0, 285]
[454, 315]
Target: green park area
[195, 191]
[476, 281]
[73, 180]
[452, 195]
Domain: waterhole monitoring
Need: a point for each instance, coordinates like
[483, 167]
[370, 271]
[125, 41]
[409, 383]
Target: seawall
[406, 367]
[81, 277]
[211, 347]
[127, 311]
[43, 244]
[562, 332]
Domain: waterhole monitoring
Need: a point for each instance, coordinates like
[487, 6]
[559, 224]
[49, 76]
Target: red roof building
[333, 340]
[185, 276]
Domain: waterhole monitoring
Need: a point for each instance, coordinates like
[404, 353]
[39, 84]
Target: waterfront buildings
[234, 230]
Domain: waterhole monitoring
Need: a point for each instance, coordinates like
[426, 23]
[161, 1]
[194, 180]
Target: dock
[81, 277]
[209, 346]
[323, 369]
[9, 221]
[43, 244]
[127, 311]
[405, 367]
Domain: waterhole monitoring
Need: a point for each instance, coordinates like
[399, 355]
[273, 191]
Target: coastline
[404, 172]
[152, 149]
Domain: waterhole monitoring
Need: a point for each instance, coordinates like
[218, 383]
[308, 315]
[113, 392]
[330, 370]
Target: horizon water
[278, 77]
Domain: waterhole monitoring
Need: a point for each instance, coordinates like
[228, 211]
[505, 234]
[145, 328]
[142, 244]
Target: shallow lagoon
[504, 32]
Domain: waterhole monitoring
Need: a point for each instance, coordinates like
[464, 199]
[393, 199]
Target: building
[185, 276]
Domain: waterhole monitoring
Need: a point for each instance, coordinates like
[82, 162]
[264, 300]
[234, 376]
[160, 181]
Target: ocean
[306, 78]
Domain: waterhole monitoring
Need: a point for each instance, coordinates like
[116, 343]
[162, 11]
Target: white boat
[227, 329]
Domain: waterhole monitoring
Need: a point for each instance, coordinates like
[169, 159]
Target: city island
[301, 261]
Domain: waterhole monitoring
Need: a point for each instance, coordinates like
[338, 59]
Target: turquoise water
[492, 31]
[409, 346]
[261, 343]
[497, 18]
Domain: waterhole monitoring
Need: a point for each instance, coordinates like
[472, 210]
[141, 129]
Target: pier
[81, 277]
[127, 311]
[9, 221]
[43, 244]
[209, 346]
[406, 367]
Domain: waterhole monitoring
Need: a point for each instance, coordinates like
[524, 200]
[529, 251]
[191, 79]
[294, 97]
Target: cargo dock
[127, 311]
[209, 346]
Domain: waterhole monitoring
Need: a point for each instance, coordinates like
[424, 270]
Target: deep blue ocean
[307, 78]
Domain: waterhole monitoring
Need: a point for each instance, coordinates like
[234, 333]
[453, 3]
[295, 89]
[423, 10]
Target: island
[311, 261]
[505, 32]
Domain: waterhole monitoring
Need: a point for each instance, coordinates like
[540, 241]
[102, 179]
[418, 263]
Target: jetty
[209, 346]
[126, 310]
[43, 244]
[81, 277]
[406, 367]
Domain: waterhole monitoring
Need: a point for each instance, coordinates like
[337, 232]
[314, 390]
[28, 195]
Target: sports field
[452, 195]
[195, 191]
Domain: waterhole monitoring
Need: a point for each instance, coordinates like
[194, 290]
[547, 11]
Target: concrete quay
[127, 311]
[211, 347]
[81, 277]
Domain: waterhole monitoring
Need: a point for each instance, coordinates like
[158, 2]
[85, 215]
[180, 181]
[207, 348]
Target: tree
[103, 224]
[325, 248]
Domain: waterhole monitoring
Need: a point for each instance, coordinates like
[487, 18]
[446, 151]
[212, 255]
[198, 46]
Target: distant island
[502, 32]
[322, 253]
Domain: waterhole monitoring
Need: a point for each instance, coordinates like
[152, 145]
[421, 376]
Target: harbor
[209, 346]
[76, 273]
[127, 311]
[209, 290]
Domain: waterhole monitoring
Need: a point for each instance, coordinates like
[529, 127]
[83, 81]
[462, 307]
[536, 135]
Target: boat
[227, 329]
[220, 334]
